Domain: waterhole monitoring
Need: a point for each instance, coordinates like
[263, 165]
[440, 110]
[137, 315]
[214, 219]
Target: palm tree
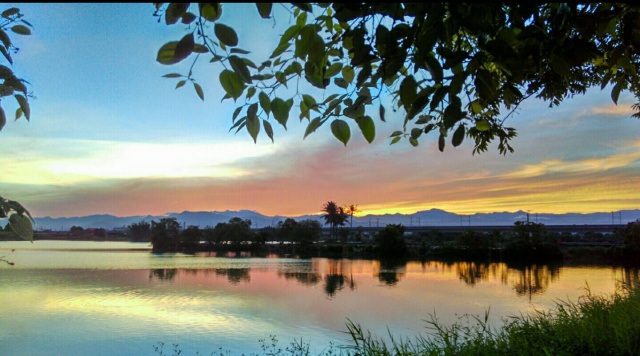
[333, 215]
[351, 209]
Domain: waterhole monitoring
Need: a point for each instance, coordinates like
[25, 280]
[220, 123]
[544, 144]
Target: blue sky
[109, 135]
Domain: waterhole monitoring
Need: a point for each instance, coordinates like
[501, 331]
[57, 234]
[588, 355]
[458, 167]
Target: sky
[109, 135]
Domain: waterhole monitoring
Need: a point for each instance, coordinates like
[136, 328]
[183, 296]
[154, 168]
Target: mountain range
[433, 217]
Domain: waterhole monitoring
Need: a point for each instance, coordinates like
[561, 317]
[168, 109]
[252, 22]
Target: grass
[594, 325]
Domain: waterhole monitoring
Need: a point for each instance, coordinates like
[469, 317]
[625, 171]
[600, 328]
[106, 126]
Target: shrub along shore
[594, 325]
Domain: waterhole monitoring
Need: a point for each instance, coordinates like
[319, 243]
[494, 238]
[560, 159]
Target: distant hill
[433, 217]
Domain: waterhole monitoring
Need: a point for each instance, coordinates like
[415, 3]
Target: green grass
[594, 325]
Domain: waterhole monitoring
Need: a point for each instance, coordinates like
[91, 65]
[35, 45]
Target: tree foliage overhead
[458, 70]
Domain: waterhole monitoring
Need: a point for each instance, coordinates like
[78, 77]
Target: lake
[116, 298]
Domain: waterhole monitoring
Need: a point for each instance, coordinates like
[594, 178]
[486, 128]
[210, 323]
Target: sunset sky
[109, 135]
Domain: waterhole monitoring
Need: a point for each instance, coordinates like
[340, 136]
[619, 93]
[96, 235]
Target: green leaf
[253, 122]
[181, 84]
[226, 35]
[24, 105]
[382, 110]
[280, 49]
[199, 91]
[174, 12]
[408, 91]
[166, 53]
[416, 132]
[341, 131]
[239, 51]
[396, 133]
[313, 125]
[172, 75]
[264, 8]
[251, 92]
[18, 113]
[268, 129]
[21, 225]
[280, 111]
[21, 30]
[333, 70]
[348, 74]
[265, 103]
[211, 12]
[240, 68]
[367, 127]
[458, 136]
[231, 83]
[198, 48]
[483, 125]
[395, 140]
[184, 48]
[236, 113]
[413, 141]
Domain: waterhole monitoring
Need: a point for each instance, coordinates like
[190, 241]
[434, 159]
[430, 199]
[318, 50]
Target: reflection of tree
[333, 283]
[533, 279]
[525, 279]
[629, 277]
[472, 273]
[304, 278]
[389, 272]
[162, 274]
[235, 275]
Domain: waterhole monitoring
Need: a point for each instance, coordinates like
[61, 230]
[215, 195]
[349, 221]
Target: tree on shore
[351, 209]
[139, 231]
[334, 215]
[165, 235]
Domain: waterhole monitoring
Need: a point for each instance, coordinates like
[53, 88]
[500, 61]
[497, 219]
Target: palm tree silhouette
[333, 215]
[351, 209]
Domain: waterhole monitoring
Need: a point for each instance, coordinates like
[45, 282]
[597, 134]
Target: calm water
[98, 298]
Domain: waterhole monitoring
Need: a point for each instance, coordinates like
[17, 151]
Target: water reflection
[336, 276]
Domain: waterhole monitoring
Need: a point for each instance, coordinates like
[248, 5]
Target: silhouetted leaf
[226, 35]
[341, 131]
[184, 48]
[313, 125]
[172, 75]
[198, 48]
[441, 143]
[181, 84]
[21, 30]
[188, 18]
[458, 136]
[3, 118]
[615, 92]
[6, 41]
[413, 141]
[264, 8]
[382, 110]
[367, 127]
[408, 91]
[10, 12]
[253, 122]
[6, 54]
[199, 91]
